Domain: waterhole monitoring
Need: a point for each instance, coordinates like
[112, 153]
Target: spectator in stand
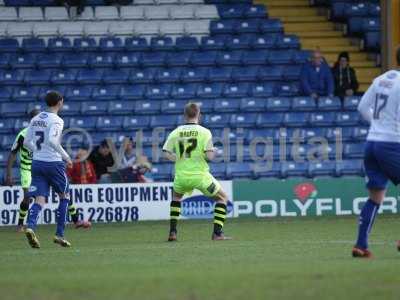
[138, 172]
[82, 170]
[102, 159]
[346, 83]
[129, 156]
[316, 77]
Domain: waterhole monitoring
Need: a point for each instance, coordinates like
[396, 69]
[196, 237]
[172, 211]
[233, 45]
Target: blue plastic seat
[204, 58]
[153, 59]
[9, 45]
[372, 41]
[147, 107]
[60, 44]
[323, 168]
[159, 91]
[170, 75]
[237, 42]
[270, 73]
[6, 94]
[356, 10]
[347, 118]
[128, 60]
[280, 57]
[268, 169]
[183, 91]
[263, 90]
[292, 72]
[212, 90]
[85, 44]
[243, 120]
[218, 170]
[309, 133]
[236, 90]
[138, 76]
[301, 56]
[231, 11]
[270, 119]
[322, 119]
[265, 41]
[78, 93]
[257, 57]
[225, 105]
[186, 43]
[359, 133]
[173, 106]
[212, 43]
[101, 60]
[178, 59]
[6, 125]
[7, 140]
[350, 167]
[294, 169]
[255, 11]
[33, 44]
[339, 133]
[371, 24]
[116, 76]
[278, 104]
[89, 76]
[288, 42]
[5, 60]
[239, 170]
[11, 109]
[37, 77]
[52, 60]
[249, 73]
[94, 108]
[119, 107]
[217, 74]
[88, 123]
[136, 122]
[354, 150]
[22, 61]
[247, 26]
[132, 92]
[75, 60]
[328, 103]
[109, 123]
[296, 119]
[162, 172]
[111, 44]
[136, 44]
[222, 26]
[106, 92]
[338, 10]
[11, 77]
[162, 44]
[229, 58]
[63, 76]
[270, 26]
[303, 104]
[206, 105]
[168, 121]
[189, 75]
[217, 120]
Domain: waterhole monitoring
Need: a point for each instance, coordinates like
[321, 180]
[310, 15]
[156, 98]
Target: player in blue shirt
[380, 106]
[48, 167]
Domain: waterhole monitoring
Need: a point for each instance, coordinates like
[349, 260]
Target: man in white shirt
[48, 167]
[380, 106]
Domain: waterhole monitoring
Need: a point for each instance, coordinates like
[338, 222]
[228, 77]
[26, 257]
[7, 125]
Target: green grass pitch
[307, 258]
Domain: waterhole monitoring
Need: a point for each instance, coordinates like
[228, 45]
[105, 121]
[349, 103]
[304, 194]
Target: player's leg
[24, 205]
[175, 212]
[210, 187]
[376, 185]
[72, 211]
[59, 181]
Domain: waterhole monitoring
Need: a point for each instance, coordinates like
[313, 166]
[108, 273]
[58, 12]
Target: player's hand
[69, 163]
[349, 92]
[9, 180]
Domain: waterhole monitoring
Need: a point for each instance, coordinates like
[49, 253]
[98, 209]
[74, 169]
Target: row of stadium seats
[164, 172]
[102, 2]
[101, 13]
[342, 10]
[157, 43]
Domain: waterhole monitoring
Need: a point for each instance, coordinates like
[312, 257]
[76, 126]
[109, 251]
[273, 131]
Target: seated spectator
[129, 156]
[316, 77]
[139, 172]
[346, 83]
[82, 170]
[102, 159]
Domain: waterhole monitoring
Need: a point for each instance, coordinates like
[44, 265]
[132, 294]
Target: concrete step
[315, 34]
[305, 19]
[337, 49]
[307, 27]
[284, 3]
[363, 64]
[357, 56]
[363, 87]
[298, 11]
[323, 41]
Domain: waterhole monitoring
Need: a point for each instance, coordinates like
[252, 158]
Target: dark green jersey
[24, 154]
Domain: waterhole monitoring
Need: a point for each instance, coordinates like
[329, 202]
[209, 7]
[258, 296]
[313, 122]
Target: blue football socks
[61, 217]
[33, 215]
[367, 217]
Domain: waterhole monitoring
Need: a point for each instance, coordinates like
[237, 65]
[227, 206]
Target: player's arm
[12, 157]
[168, 148]
[55, 131]
[209, 149]
[29, 141]
[365, 107]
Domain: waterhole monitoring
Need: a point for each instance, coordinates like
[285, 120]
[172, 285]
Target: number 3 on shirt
[380, 103]
[40, 140]
[186, 151]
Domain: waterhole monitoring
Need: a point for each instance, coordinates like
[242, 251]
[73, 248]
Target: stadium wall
[257, 198]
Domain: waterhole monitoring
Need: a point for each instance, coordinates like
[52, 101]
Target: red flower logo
[304, 191]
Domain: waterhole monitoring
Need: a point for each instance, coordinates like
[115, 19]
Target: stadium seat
[136, 44]
[322, 119]
[270, 120]
[115, 76]
[101, 60]
[109, 123]
[303, 104]
[78, 93]
[360, 133]
[11, 109]
[128, 60]
[8, 44]
[8, 13]
[217, 120]
[169, 121]
[11, 77]
[63, 76]
[213, 90]
[56, 14]
[258, 57]
[270, 73]
[278, 104]
[94, 108]
[194, 75]
[6, 125]
[268, 169]
[132, 92]
[107, 92]
[87, 123]
[89, 76]
[294, 169]
[239, 170]
[353, 150]
[111, 44]
[243, 120]
[236, 90]
[350, 167]
[37, 77]
[119, 107]
[296, 119]
[30, 14]
[147, 107]
[136, 122]
[218, 170]
[206, 105]
[60, 44]
[339, 134]
[162, 172]
[263, 90]
[323, 168]
[328, 103]
[245, 74]
[206, 58]
[212, 43]
[53, 60]
[22, 61]
[173, 106]
[153, 59]
[347, 118]
[231, 105]
[181, 59]
[186, 43]
[85, 44]
[168, 75]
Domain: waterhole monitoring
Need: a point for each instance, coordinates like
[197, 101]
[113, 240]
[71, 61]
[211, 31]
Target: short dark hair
[192, 110]
[33, 113]
[52, 98]
[104, 144]
[398, 55]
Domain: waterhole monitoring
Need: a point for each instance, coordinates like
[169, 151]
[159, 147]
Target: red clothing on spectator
[82, 172]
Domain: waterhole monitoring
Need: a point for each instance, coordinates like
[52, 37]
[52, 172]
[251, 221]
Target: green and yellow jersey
[24, 154]
[190, 143]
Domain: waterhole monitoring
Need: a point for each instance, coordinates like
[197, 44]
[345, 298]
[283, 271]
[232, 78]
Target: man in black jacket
[346, 83]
